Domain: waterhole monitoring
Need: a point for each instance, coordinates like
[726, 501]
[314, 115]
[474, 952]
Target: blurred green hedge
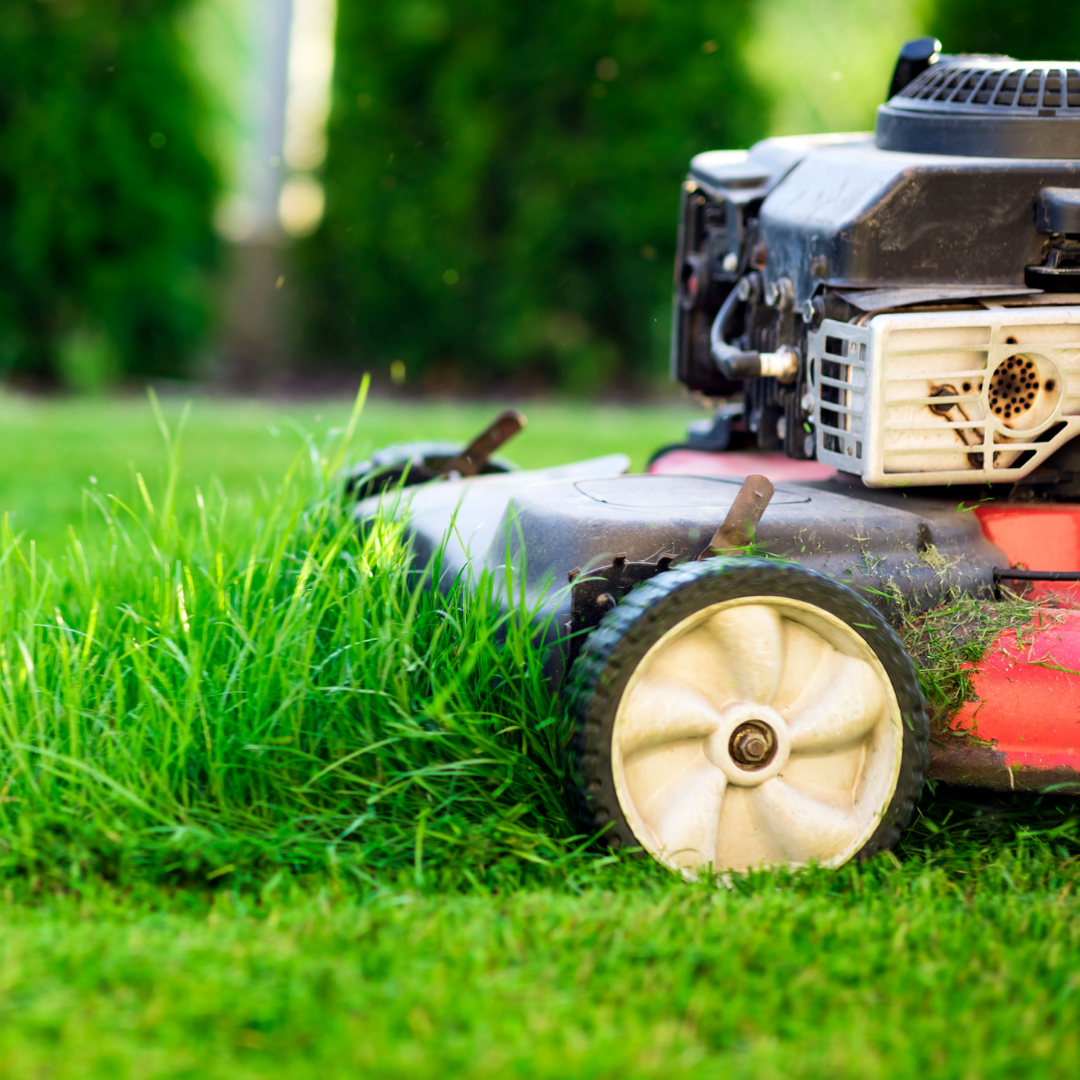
[105, 194]
[1049, 30]
[503, 181]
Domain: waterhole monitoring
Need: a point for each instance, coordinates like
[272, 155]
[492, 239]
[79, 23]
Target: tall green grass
[206, 688]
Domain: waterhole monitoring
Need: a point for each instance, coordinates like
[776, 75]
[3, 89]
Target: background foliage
[1050, 31]
[105, 193]
[503, 179]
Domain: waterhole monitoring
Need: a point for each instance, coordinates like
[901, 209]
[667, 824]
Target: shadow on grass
[949, 817]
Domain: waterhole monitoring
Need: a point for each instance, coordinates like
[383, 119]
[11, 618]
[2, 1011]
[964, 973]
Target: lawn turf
[181, 899]
[881, 972]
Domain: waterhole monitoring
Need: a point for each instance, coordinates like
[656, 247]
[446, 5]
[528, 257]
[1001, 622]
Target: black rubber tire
[601, 671]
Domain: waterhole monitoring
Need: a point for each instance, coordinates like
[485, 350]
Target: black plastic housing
[986, 106]
[969, 188]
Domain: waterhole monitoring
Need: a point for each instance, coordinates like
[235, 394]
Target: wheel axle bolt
[752, 745]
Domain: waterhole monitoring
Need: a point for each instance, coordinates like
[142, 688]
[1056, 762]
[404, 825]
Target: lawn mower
[889, 325]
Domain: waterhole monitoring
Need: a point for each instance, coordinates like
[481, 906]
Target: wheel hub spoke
[802, 827]
[686, 814]
[840, 713]
[664, 712]
[751, 638]
[693, 660]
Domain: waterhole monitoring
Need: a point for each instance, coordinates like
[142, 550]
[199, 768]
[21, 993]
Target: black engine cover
[948, 199]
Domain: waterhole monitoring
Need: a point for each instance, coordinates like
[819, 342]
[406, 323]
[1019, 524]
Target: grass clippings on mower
[948, 642]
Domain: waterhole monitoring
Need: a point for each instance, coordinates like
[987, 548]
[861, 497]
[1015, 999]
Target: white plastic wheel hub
[762, 731]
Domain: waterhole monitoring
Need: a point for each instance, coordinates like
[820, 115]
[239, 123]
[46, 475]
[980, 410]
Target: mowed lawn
[235, 908]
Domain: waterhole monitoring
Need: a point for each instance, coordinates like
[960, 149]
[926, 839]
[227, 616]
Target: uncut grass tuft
[235, 690]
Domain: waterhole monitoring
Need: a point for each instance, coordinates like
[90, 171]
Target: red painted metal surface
[777, 467]
[1036, 537]
[1025, 716]
[1028, 691]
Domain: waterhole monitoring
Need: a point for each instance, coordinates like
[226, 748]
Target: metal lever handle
[474, 457]
[742, 519]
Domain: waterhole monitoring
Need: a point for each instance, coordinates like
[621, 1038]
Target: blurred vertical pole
[256, 332]
[272, 35]
[307, 110]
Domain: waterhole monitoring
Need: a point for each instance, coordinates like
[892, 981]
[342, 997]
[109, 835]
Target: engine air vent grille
[946, 397]
[839, 377]
[986, 106]
[976, 88]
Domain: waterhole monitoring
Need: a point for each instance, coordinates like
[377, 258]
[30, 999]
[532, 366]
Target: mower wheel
[407, 464]
[745, 713]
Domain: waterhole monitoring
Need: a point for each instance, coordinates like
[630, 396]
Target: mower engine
[903, 306]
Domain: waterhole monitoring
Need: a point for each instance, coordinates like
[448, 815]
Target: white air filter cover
[946, 397]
